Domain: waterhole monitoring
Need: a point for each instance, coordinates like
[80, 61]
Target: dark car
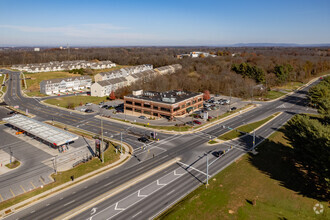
[11, 112]
[104, 106]
[89, 110]
[233, 108]
[217, 153]
[197, 122]
[143, 139]
[143, 117]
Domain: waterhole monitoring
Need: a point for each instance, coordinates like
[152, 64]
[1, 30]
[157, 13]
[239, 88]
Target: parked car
[226, 102]
[197, 122]
[88, 104]
[233, 108]
[83, 109]
[143, 139]
[208, 109]
[190, 123]
[104, 106]
[210, 117]
[143, 117]
[89, 111]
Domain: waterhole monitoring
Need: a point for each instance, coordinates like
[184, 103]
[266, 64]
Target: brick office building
[162, 104]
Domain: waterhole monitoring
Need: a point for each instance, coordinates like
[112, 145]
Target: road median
[115, 191]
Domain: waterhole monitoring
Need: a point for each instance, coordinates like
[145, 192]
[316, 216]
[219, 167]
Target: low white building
[52, 86]
[123, 72]
[64, 65]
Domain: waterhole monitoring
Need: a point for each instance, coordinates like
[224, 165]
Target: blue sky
[165, 22]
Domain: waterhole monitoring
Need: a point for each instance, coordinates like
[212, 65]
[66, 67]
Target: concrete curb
[65, 109]
[222, 141]
[116, 190]
[68, 185]
[183, 132]
[300, 88]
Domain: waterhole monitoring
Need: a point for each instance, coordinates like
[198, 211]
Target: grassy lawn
[262, 186]
[110, 156]
[290, 86]
[245, 129]
[75, 100]
[33, 80]
[13, 165]
[274, 94]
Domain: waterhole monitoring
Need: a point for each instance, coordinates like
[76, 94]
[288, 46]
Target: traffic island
[13, 165]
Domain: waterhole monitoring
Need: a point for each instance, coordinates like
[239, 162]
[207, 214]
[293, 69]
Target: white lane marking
[178, 174]
[120, 209]
[69, 203]
[139, 195]
[136, 214]
[107, 184]
[32, 211]
[160, 184]
[47, 204]
[61, 198]
[170, 192]
[191, 167]
[73, 193]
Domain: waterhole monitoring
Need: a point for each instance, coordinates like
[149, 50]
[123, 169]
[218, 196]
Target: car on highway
[89, 111]
[143, 139]
[217, 153]
[11, 112]
[197, 122]
[142, 117]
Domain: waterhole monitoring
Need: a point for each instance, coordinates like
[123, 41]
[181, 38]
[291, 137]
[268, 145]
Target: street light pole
[101, 147]
[121, 143]
[207, 170]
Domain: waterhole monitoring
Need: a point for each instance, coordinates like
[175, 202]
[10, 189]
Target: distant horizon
[188, 46]
[163, 23]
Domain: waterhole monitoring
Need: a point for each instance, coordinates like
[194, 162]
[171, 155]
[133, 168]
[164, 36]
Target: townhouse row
[61, 66]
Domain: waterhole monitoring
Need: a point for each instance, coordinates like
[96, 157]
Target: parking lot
[215, 107]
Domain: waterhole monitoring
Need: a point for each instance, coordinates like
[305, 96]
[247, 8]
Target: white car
[88, 104]
[83, 109]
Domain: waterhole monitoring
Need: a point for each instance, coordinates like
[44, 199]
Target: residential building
[123, 72]
[168, 104]
[64, 65]
[52, 86]
[195, 54]
[118, 79]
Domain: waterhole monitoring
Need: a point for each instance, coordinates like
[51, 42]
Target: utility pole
[11, 155]
[229, 98]
[101, 147]
[55, 164]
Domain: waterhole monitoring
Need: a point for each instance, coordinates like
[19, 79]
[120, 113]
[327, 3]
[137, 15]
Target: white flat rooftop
[39, 129]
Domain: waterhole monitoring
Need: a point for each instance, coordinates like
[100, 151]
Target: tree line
[310, 138]
[234, 71]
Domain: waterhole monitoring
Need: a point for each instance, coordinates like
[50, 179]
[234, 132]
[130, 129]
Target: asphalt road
[162, 190]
